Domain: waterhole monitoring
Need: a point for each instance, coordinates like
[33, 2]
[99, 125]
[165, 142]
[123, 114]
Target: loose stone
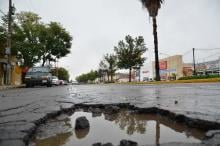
[81, 123]
[128, 143]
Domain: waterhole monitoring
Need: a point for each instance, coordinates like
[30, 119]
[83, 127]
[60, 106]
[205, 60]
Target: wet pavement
[21, 110]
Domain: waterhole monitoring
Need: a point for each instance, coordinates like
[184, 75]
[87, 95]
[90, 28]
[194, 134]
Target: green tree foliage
[153, 7]
[26, 38]
[87, 77]
[102, 71]
[33, 41]
[130, 53]
[56, 42]
[61, 73]
[2, 40]
[109, 65]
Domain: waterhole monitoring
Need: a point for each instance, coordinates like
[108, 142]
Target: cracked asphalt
[21, 108]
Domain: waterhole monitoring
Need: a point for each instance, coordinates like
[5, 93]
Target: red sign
[163, 65]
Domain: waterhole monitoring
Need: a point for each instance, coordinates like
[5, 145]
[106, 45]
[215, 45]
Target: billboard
[163, 65]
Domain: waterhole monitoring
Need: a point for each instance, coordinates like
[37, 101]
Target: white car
[61, 82]
[55, 81]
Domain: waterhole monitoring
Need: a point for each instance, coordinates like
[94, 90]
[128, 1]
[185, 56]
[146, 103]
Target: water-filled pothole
[142, 128]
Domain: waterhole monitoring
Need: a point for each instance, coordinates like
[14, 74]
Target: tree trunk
[44, 61]
[157, 68]
[130, 74]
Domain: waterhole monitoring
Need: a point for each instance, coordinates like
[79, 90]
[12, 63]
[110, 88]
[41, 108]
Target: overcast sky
[98, 25]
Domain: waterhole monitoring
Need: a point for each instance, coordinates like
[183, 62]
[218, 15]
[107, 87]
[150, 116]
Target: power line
[209, 56]
[206, 49]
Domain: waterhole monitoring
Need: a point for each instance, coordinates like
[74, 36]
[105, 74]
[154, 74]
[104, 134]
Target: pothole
[113, 127]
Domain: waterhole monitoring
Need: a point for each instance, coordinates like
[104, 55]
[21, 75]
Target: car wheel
[49, 85]
[27, 85]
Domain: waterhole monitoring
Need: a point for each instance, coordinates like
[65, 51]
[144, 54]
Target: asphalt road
[21, 108]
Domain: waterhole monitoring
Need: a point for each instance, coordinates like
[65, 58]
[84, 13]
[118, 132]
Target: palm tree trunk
[157, 133]
[130, 75]
[157, 68]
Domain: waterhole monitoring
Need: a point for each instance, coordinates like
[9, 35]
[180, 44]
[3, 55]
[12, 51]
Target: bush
[199, 77]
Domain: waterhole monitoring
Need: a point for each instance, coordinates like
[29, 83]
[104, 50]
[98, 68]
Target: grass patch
[199, 77]
[210, 80]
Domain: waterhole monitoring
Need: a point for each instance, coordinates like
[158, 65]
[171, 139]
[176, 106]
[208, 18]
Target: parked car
[38, 76]
[61, 82]
[55, 80]
[65, 82]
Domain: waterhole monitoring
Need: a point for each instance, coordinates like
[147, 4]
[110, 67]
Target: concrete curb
[11, 87]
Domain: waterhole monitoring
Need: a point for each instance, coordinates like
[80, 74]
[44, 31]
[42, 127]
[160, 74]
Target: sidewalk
[6, 87]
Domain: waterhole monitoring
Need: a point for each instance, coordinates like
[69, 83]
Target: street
[21, 108]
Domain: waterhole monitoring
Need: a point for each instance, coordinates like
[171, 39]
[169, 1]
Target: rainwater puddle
[142, 128]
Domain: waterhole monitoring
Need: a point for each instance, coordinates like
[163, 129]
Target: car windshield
[54, 77]
[37, 73]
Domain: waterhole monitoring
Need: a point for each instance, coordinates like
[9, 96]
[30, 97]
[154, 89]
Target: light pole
[194, 63]
[219, 66]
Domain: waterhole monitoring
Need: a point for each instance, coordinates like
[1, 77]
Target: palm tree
[153, 7]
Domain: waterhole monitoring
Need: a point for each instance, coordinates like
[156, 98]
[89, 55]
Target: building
[208, 68]
[16, 72]
[171, 68]
[3, 63]
[187, 69]
[124, 77]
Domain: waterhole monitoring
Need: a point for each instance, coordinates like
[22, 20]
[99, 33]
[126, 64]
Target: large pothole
[113, 125]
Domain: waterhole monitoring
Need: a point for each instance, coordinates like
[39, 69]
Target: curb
[11, 87]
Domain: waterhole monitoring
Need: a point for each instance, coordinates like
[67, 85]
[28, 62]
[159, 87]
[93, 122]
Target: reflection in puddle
[142, 128]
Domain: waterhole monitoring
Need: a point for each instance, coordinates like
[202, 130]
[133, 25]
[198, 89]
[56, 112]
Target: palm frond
[152, 6]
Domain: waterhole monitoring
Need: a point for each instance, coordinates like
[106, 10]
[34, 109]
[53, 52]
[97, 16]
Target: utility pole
[219, 66]
[194, 62]
[8, 49]
[139, 74]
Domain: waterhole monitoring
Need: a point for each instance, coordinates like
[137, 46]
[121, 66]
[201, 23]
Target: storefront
[171, 68]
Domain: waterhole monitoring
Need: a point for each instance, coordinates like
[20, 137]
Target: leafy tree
[103, 70]
[26, 38]
[2, 40]
[3, 34]
[111, 63]
[130, 53]
[153, 7]
[33, 41]
[56, 42]
[85, 78]
[61, 73]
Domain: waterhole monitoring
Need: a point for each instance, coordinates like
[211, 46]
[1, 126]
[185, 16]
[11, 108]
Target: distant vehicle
[65, 82]
[61, 82]
[74, 83]
[55, 80]
[38, 76]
